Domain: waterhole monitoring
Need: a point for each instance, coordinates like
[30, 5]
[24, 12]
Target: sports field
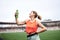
[48, 35]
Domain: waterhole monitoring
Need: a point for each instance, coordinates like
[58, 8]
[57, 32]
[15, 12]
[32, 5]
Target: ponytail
[36, 15]
[39, 17]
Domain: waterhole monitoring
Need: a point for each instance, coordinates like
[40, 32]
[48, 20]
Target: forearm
[17, 22]
[42, 30]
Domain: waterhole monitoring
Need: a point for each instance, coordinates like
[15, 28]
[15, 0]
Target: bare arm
[43, 28]
[17, 21]
[20, 23]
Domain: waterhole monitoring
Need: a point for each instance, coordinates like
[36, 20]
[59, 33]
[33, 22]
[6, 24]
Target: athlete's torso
[31, 27]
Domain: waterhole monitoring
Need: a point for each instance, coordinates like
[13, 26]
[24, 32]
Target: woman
[32, 25]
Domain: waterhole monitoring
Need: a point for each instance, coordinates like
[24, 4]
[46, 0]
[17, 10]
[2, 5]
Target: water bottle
[16, 14]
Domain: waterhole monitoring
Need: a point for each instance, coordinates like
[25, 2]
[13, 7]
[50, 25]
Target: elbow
[17, 23]
[45, 29]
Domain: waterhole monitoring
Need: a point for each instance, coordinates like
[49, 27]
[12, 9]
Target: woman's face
[31, 15]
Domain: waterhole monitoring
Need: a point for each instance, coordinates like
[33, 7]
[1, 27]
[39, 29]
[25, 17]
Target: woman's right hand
[16, 15]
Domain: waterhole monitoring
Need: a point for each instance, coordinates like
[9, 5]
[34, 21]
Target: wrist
[37, 32]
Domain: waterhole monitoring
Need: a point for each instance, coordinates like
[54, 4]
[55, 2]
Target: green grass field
[48, 35]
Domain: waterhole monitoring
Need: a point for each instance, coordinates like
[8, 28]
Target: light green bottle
[16, 13]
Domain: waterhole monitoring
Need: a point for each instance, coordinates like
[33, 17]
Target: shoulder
[27, 20]
[38, 21]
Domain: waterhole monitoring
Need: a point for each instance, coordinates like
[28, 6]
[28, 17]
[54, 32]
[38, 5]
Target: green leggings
[34, 37]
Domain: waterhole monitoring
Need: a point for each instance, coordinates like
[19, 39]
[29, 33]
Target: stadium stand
[13, 27]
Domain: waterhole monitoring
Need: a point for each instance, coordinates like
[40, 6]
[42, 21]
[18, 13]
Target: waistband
[31, 34]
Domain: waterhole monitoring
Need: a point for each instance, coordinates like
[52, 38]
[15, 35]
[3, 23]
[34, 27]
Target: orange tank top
[31, 27]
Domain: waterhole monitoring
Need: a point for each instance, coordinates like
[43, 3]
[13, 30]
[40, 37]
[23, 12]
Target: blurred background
[49, 10]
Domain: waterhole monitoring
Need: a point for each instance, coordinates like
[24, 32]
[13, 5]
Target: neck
[32, 18]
